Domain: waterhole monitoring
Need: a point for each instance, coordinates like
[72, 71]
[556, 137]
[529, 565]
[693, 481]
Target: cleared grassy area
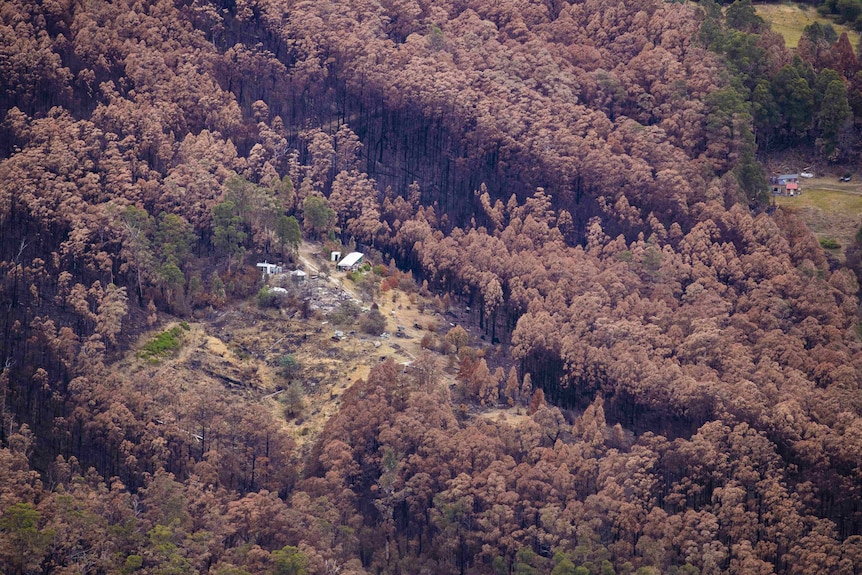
[829, 201]
[790, 19]
[829, 214]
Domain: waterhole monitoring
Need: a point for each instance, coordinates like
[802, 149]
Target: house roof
[788, 177]
[298, 273]
[350, 259]
[792, 186]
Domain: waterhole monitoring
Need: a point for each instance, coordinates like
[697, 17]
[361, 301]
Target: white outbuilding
[351, 261]
[268, 269]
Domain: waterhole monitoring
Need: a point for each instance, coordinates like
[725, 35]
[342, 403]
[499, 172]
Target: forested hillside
[581, 176]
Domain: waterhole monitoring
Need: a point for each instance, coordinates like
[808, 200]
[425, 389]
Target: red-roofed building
[785, 185]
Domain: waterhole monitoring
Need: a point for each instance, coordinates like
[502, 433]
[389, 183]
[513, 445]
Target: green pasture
[790, 19]
[829, 214]
[828, 201]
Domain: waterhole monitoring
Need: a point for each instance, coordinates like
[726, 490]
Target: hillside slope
[579, 178]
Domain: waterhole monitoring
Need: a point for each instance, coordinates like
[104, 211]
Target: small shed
[334, 256]
[351, 261]
[268, 269]
[298, 276]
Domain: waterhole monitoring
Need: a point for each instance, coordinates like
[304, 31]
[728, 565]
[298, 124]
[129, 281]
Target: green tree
[288, 232]
[564, 565]
[137, 247]
[824, 78]
[172, 279]
[22, 544]
[752, 178]
[284, 191]
[711, 33]
[765, 111]
[217, 287]
[289, 560]
[849, 10]
[289, 366]
[436, 39]
[173, 237]
[227, 569]
[317, 215]
[741, 16]
[728, 127]
[525, 559]
[242, 193]
[132, 563]
[228, 234]
[794, 97]
[167, 554]
[744, 56]
[833, 119]
[138, 218]
[817, 32]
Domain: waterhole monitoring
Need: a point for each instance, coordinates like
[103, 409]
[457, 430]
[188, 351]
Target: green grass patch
[833, 216]
[164, 344]
[790, 19]
[829, 201]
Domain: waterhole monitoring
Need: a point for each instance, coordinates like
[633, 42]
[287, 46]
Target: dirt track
[830, 184]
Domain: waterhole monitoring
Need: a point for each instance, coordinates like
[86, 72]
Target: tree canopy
[673, 381]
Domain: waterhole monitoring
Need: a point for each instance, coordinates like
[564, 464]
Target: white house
[268, 269]
[351, 261]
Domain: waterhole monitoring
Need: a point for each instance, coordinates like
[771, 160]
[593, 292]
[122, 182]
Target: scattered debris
[322, 295]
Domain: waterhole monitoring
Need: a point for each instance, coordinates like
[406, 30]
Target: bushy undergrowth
[165, 343]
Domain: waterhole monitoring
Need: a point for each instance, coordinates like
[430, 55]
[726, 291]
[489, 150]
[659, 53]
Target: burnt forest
[620, 356]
